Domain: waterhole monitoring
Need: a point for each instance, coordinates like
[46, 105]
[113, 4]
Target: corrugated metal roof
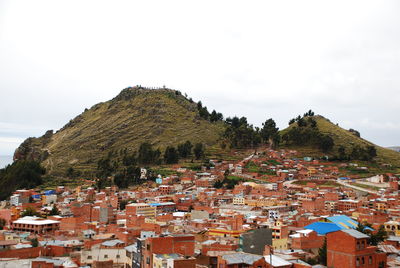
[276, 261]
[355, 233]
[323, 228]
[112, 243]
[241, 257]
[388, 249]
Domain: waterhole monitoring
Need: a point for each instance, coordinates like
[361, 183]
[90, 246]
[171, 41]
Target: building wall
[345, 251]
[104, 254]
[255, 240]
[308, 242]
[165, 245]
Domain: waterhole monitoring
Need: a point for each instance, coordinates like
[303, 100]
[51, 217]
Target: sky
[259, 59]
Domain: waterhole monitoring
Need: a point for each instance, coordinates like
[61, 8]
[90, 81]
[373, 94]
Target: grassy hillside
[346, 139]
[161, 117]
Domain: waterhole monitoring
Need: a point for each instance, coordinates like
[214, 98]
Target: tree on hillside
[240, 134]
[129, 159]
[20, 174]
[147, 155]
[185, 149]
[203, 112]
[326, 143]
[214, 116]
[301, 122]
[363, 153]
[105, 168]
[269, 132]
[198, 151]
[342, 153]
[355, 132]
[311, 122]
[171, 155]
[309, 113]
[371, 151]
[121, 181]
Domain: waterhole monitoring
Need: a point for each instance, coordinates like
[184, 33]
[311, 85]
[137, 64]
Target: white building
[106, 251]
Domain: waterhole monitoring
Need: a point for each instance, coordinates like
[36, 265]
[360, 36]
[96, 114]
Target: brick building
[179, 244]
[349, 248]
[35, 225]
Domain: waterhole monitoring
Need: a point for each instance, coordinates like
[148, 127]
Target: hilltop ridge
[164, 117]
[348, 139]
[161, 117]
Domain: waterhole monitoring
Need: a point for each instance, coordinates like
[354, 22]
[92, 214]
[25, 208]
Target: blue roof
[343, 222]
[322, 228]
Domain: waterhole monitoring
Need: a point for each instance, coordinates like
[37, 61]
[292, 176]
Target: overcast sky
[257, 59]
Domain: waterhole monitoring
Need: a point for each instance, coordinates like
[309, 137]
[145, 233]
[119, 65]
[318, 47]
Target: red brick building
[181, 244]
[349, 248]
[307, 240]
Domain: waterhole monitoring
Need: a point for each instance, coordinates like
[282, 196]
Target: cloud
[258, 59]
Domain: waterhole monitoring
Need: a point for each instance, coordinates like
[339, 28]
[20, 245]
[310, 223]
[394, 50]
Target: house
[349, 248]
[35, 225]
[241, 259]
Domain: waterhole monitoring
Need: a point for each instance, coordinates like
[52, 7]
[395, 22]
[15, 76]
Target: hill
[342, 138]
[161, 117]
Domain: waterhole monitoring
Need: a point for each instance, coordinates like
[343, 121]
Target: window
[358, 262]
[370, 260]
[358, 244]
[118, 257]
[106, 256]
[148, 260]
[362, 261]
[148, 246]
[89, 257]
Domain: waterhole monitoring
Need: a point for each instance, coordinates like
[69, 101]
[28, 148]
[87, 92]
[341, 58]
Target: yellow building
[223, 232]
[281, 243]
[260, 202]
[392, 227]
[380, 206]
[141, 209]
[238, 201]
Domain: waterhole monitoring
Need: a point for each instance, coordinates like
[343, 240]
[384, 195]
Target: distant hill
[347, 139]
[395, 148]
[161, 117]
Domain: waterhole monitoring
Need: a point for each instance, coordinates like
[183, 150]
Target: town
[270, 208]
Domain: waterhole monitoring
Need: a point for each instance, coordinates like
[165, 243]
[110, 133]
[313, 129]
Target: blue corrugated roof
[322, 228]
[343, 222]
